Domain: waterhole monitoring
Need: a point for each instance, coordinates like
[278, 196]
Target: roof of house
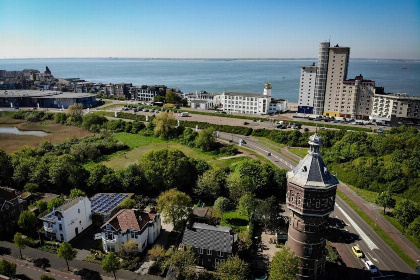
[130, 219]
[202, 212]
[70, 204]
[260, 95]
[7, 194]
[43, 94]
[311, 170]
[204, 236]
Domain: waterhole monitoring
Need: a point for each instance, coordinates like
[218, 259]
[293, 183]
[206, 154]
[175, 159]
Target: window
[298, 199]
[61, 237]
[292, 197]
[209, 252]
[200, 250]
[220, 254]
[78, 211]
[60, 227]
[317, 203]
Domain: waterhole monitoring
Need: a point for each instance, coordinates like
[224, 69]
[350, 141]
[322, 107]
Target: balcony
[109, 241]
[49, 229]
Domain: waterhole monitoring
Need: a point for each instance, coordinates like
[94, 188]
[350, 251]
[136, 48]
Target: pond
[16, 131]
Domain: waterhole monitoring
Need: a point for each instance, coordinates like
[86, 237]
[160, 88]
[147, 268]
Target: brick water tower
[310, 197]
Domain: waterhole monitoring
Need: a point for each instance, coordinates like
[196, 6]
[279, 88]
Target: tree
[6, 169]
[66, 173]
[93, 122]
[268, 210]
[157, 252]
[234, 269]
[75, 113]
[46, 277]
[414, 229]
[54, 203]
[247, 205]
[31, 187]
[7, 268]
[211, 184]
[132, 178]
[164, 123]
[171, 97]
[27, 221]
[42, 206]
[66, 252]
[175, 207]
[332, 255]
[206, 140]
[285, 265]
[182, 261]
[20, 241]
[111, 264]
[222, 204]
[129, 250]
[76, 192]
[128, 203]
[405, 211]
[385, 199]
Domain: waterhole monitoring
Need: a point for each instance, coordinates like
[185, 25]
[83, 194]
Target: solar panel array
[105, 202]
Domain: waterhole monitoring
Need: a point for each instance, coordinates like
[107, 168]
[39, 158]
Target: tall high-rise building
[310, 196]
[338, 61]
[307, 89]
[321, 77]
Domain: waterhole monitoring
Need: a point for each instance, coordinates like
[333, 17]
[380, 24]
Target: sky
[207, 28]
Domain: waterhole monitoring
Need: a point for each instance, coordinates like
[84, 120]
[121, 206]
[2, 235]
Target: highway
[374, 248]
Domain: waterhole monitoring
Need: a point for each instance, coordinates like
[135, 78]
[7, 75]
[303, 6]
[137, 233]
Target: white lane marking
[363, 235]
[372, 257]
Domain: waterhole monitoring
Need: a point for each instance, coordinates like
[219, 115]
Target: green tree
[93, 122]
[211, 184]
[66, 173]
[128, 250]
[111, 264]
[234, 269]
[132, 179]
[247, 205]
[55, 203]
[75, 113]
[42, 206]
[268, 210]
[128, 203]
[157, 252]
[7, 268]
[206, 139]
[285, 265]
[175, 207]
[66, 252]
[414, 228]
[385, 199]
[183, 261]
[405, 211]
[76, 192]
[60, 118]
[332, 255]
[172, 97]
[164, 123]
[46, 277]
[222, 204]
[6, 168]
[31, 187]
[27, 221]
[20, 242]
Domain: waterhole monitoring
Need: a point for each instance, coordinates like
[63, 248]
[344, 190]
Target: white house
[67, 221]
[130, 224]
[277, 105]
[201, 100]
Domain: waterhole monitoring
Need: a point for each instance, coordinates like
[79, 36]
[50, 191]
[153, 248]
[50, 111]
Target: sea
[216, 75]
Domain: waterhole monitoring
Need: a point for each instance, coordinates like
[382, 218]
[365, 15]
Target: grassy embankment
[382, 234]
[57, 133]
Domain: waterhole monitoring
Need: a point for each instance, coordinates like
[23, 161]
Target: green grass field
[300, 152]
[234, 220]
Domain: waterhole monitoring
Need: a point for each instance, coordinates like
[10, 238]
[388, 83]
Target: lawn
[140, 145]
[397, 224]
[235, 220]
[300, 152]
[58, 133]
[112, 106]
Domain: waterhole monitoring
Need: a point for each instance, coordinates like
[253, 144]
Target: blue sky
[207, 29]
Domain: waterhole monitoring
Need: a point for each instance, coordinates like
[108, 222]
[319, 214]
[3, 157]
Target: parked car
[357, 252]
[371, 267]
[245, 123]
[306, 129]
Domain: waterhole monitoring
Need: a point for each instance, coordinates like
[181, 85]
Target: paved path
[60, 264]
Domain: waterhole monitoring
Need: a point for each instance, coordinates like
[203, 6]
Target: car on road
[371, 267]
[356, 250]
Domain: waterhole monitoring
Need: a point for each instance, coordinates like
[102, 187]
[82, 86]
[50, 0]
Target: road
[375, 249]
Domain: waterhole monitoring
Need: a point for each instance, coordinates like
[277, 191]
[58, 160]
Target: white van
[185, 114]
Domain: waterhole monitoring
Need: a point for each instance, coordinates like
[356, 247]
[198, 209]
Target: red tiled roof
[129, 219]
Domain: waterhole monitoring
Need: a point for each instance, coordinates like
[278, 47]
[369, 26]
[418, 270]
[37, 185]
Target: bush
[42, 262]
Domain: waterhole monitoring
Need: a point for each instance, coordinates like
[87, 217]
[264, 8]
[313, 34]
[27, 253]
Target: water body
[16, 131]
[215, 75]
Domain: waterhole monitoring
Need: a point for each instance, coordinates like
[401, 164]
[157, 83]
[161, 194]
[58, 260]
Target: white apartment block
[277, 105]
[67, 221]
[400, 105]
[307, 89]
[247, 103]
[338, 61]
[201, 100]
[130, 224]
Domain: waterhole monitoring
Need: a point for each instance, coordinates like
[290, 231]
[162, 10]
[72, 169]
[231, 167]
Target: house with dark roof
[11, 205]
[213, 244]
[131, 224]
[67, 221]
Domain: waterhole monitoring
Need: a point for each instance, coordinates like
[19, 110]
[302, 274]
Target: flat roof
[246, 94]
[43, 94]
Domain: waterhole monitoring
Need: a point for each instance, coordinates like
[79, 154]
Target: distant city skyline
[207, 29]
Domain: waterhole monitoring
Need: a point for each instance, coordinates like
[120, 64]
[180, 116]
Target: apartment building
[67, 221]
[307, 89]
[338, 61]
[147, 93]
[395, 105]
[321, 76]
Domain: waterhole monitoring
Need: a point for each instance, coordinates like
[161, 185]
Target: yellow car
[356, 250]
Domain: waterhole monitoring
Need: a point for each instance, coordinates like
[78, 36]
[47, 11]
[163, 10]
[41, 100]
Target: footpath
[59, 265]
[373, 212]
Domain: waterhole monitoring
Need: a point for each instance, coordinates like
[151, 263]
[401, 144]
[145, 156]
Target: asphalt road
[374, 248]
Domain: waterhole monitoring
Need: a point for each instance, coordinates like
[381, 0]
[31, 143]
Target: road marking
[368, 241]
[372, 257]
